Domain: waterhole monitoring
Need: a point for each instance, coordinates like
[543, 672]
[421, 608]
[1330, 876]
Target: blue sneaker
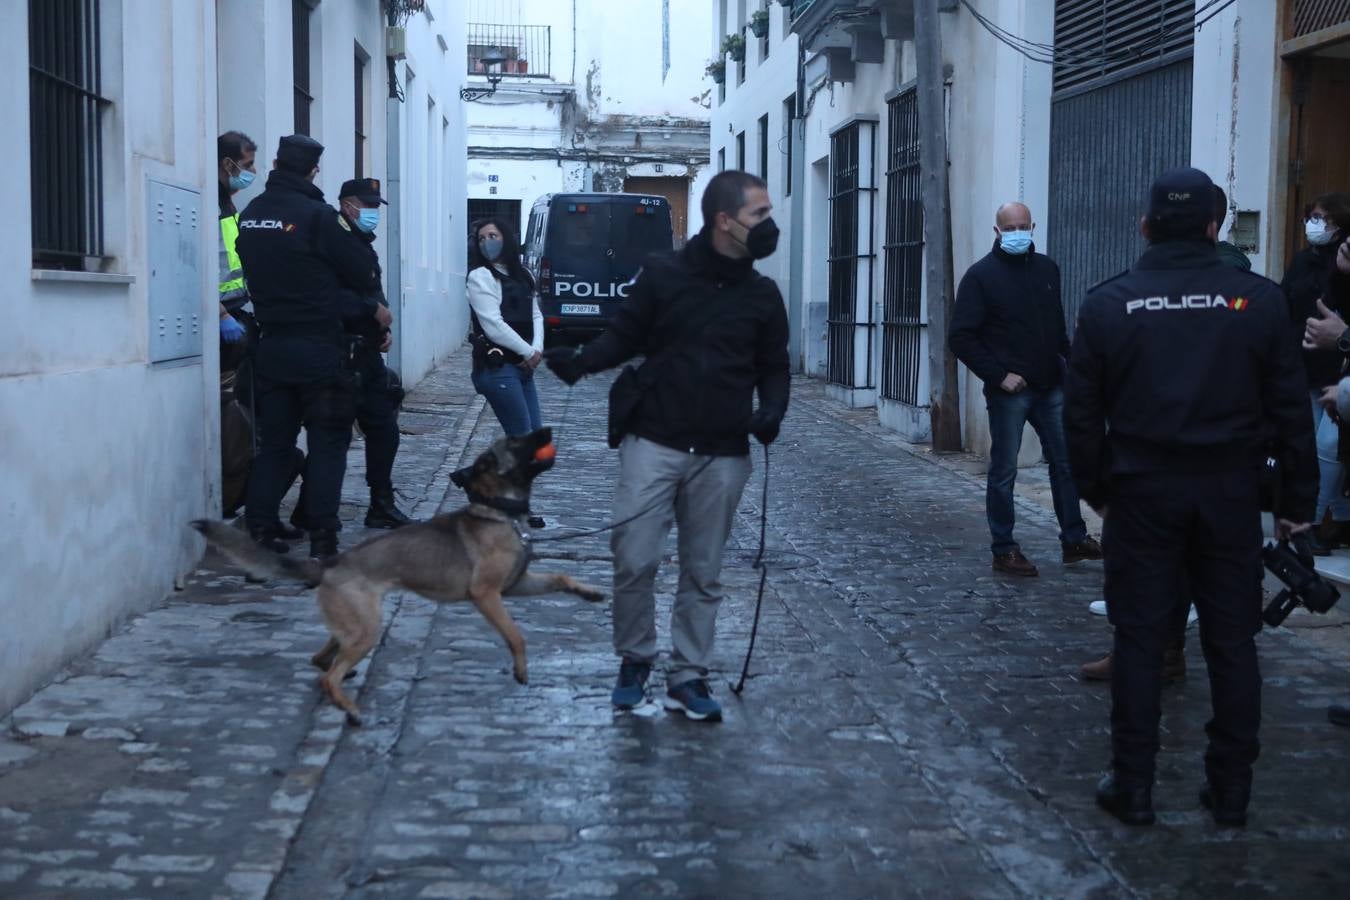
[694, 700]
[631, 688]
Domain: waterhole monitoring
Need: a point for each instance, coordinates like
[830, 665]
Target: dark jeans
[1008, 416]
[1163, 531]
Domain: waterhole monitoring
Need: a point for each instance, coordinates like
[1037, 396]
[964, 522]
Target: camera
[1291, 561]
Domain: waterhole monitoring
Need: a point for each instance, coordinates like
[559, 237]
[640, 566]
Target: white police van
[584, 249]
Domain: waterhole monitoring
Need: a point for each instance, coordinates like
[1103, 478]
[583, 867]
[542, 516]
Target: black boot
[536, 522]
[383, 513]
[1228, 804]
[1131, 805]
[322, 543]
[267, 537]
[291, 532]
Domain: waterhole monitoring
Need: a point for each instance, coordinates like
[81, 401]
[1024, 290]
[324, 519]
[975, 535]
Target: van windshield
[576, 232]
[634, 234]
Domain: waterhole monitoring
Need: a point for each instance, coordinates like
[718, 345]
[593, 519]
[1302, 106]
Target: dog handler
[714, 332]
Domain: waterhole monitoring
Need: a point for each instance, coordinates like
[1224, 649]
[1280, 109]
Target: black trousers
[377, 414]
[1164, 532]
[300, 382]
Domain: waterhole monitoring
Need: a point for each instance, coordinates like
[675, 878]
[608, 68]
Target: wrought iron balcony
[527, 49]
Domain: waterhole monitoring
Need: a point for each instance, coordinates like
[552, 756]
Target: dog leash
[763, 576]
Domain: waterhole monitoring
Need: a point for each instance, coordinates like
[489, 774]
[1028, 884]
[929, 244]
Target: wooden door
[676, 191]
[1321, 136]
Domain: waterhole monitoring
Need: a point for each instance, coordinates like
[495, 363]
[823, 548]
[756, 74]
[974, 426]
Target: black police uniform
[1181, 370]
[305, 282]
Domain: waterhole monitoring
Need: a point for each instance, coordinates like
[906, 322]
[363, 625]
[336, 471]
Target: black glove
[764, 425]
[565, 362]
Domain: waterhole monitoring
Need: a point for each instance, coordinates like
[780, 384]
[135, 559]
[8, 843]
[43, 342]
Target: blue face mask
[1015, 242]
[368, 220]
[491, 247]
[242, 180]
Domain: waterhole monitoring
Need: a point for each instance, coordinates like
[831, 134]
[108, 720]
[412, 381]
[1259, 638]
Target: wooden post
[943, 399]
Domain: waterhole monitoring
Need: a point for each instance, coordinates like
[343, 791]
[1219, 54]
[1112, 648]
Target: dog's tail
[259, 562]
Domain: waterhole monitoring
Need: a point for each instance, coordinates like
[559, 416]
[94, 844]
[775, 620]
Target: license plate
[581, 309]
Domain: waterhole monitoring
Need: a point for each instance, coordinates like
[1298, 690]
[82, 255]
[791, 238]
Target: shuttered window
[1313, 15]
[1098, 39]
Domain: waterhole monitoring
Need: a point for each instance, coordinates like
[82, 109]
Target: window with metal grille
[721, 159]
[902, 311]
[789, 114]
[360, 117]
[300, 20]
[1095, 40]
[764, 146]
[850, 256]
[1308, 16]
[528, 49]
[66, 132]
[740, 151]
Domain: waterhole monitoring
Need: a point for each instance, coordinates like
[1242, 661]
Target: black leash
[763, 576]
[610, 527]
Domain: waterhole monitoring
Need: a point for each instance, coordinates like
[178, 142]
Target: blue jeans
[511, 394]
[1330, 471]
[1008, 416]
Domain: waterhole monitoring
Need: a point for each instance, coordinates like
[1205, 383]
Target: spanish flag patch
[1238, 304]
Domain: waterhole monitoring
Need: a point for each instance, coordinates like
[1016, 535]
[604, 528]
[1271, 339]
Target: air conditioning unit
[395, 42]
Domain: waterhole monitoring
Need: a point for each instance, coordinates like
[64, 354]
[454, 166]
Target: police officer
[359, 201]
[1192, 364]
[305, 282]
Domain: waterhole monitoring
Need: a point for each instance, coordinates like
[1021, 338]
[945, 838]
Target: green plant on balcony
[759, 23]
[733, 45]
[718, 71]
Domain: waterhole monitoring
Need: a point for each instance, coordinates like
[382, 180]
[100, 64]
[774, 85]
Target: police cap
[1183, 192]
[367, 190]
[298, 153]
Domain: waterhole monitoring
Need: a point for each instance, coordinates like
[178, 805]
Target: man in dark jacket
[305, 282]
[714, 332]
[1182, 368]
[1009, 330]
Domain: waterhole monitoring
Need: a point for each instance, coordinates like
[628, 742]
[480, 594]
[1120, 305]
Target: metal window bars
[849, 322]
[527, 49]
[902, 291]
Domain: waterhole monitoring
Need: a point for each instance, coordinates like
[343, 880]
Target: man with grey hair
[1008, 329]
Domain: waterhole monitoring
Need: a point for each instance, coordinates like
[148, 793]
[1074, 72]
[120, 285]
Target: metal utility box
[173, 250]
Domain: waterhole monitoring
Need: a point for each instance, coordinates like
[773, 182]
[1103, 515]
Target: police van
[583, 251]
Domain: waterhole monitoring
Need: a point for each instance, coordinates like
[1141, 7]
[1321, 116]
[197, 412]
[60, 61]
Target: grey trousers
[703, 508]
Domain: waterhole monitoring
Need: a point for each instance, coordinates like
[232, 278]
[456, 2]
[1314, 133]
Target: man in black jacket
[305, 281]
[1181, 369]
[714, 332]
[1008, 329]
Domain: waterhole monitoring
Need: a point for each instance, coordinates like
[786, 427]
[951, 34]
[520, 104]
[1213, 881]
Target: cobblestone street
[914, 724]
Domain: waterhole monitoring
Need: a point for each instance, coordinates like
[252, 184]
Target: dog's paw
[588, 593]
[353, 719]
[520, 676]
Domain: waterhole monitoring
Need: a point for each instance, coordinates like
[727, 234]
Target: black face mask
[762, 240]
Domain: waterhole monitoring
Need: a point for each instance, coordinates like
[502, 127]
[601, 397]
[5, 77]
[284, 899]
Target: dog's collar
[512, 506]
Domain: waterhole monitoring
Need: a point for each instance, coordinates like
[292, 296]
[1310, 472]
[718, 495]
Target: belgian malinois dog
[478, 553]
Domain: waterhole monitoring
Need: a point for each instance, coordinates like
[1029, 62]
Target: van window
[635, 234]
[577, 231]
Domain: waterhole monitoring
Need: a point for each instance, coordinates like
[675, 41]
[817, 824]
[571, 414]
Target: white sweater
[485, 296]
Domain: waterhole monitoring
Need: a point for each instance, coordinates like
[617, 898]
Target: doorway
[676, 191]
[1319, 134]
[508, 210]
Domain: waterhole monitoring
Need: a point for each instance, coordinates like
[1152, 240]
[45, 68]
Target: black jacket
[1009, 318]
[303, 273]
[364, 324]
[1312, 276]
[702, 398]
[1184, 364]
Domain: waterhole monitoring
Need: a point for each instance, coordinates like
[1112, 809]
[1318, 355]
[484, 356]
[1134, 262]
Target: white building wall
[105, 456]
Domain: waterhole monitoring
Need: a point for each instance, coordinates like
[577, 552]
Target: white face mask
[1317, 232]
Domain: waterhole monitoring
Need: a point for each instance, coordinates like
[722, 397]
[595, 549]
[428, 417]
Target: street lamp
[492, 62]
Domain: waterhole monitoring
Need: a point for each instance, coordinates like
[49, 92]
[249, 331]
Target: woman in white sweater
[506, 327]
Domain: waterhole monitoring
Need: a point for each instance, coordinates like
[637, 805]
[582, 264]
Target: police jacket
[1184, 364]
[1009, 319]
[364, 324]
[1310, 276]
[303, 275]
[718, 331]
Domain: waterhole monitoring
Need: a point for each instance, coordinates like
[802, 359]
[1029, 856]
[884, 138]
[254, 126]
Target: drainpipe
[797, 139]
[393, 190]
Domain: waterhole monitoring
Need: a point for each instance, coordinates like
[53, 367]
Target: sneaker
[631, 688]
[1097, 607]
[1087, 548]
[694, 700]
[1014, 563]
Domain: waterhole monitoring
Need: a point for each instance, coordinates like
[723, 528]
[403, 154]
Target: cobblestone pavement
[913, 724]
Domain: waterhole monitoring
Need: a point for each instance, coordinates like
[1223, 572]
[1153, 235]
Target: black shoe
[1339, 715]
[267, 537]
[1087, 548]
[289, 533]
[1228, 804]
[1131, 805]
[383, 513]
[322, 544]
[536, 522]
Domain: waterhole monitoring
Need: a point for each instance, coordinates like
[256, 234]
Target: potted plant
[733, 45]
[759, 23]
[718, 71]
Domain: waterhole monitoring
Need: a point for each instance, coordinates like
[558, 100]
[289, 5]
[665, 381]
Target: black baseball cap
[298, 153]
[367, 190]
[1181, 192]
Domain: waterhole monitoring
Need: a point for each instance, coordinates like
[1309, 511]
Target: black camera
[1291, 561]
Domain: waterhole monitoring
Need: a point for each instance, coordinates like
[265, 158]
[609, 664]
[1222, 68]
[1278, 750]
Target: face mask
[1318, 235]
[491, 247]
[368, 220]
[761, 240]
[1015, 242]
[242, 180]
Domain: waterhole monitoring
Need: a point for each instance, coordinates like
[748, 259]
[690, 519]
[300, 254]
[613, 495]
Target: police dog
[477, 553]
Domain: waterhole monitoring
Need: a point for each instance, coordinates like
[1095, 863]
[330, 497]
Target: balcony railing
[527, 49]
